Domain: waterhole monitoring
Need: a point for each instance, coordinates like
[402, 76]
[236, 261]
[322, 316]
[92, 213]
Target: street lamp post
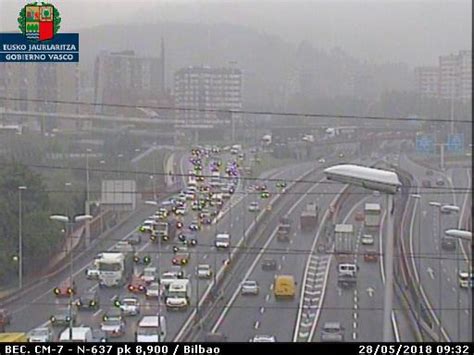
[20, 238]
[87, 206]
[154, 203]
[69, 222]
[463, 235]
[417, 198]
[438, 205]
[388, 182]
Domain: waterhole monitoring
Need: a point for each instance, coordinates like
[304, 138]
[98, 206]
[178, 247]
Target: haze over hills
[273, 68]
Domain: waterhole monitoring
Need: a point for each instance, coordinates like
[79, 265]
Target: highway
[245, 316]
[437, 268]
[35, 309]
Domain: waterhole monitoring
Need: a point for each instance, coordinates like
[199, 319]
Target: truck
[115, 268]
[178, 295]
[344, 239]
[372, 215]
[284, 229]
[309, 217]
[165, 230]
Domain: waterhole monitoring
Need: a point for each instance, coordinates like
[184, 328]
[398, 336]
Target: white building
[207, 88]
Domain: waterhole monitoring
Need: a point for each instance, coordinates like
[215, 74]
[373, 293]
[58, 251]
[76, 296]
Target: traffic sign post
[455, 143]
[424, 144]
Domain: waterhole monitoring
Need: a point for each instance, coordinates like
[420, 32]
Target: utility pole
[20, 238]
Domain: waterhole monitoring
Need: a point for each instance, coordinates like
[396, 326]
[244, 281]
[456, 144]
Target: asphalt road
[262, 314]
[34, 310]
[438, 268]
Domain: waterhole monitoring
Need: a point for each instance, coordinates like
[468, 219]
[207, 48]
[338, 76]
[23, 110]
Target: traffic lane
[438, 275]
[268, 313]
[287, 173]
[289, 257]
[369, 295]
[341, 304]
[178, 317]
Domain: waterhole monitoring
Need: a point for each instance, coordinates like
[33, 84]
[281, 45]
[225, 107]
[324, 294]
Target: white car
[263, 339]
[180, 211]
[149, 274]
[153, 290]
[367, 239]
[130, 306]
[253, 207]
[322, 161]
[204, 271]
[249, 288]
[92, 273]
[41, 335]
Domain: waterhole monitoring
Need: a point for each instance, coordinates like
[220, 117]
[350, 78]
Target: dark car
[448, 243]
[439, 182]
[63, 316]
[215, 338]
[89, 300]
[269, 264]
[134, 239]
[5, 318]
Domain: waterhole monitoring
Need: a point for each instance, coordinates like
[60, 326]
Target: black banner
[232, 348]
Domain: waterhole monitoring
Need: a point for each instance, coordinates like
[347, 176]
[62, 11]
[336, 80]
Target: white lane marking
[93, 287]
[256, 325]
[354, 315]
[262, 309]
[283, 258]
[454, 290]
[354, 325]
[113, 297]
[267, 298]
[271, 287]
[96, 313]
[354, 335]
[204, 257]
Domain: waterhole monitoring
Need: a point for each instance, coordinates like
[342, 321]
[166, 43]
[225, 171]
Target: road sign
[424, 144]
[455, 143]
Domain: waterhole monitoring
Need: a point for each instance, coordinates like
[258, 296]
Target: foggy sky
[415, 32]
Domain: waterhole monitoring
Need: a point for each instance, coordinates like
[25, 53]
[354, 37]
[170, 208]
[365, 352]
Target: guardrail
[216, 287]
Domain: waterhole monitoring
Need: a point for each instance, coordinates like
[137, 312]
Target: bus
[372, 212]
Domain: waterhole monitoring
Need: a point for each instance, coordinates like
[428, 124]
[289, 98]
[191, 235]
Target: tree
[40, 237]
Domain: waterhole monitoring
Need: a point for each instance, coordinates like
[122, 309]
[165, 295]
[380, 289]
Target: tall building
[125, 78]
[202, 87]
[48, 81]
[451, 79]
[427, 81]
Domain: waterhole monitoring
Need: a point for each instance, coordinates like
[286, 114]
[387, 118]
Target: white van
[151, 330]
[79, 334]
[347, 269]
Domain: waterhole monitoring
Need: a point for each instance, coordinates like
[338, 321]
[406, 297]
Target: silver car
[332, 331]
[249, 288]
[263, 339]
[41, 335]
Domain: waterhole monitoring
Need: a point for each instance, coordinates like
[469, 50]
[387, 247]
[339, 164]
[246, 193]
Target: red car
[359, 216]
[65, 289]
[371, 256]
[137, 285]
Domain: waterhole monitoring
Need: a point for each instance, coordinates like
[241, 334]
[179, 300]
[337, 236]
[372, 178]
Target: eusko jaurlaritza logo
[39, 21]
[39, 39]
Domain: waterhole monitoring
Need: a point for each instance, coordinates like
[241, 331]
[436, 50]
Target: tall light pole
[69, 223]
[87, 206]
[388, 182]
[438, 205]
[20, 238]
[154, 203]
[417, 198]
